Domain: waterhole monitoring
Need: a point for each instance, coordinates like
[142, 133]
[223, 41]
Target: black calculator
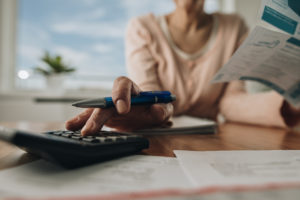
[71, 149]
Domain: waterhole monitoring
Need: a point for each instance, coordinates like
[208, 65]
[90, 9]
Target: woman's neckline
[187, 56]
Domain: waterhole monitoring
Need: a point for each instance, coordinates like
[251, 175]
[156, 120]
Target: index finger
[79, 121]
[121, 93]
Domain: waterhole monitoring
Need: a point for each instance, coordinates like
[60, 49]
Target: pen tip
[173, 97]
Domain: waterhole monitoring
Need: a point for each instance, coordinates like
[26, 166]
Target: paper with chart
[217, 168]
[283, 15]
[270, 57]
[128, 174]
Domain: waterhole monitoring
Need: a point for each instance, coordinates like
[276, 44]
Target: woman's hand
[290, 114]
[123, 117]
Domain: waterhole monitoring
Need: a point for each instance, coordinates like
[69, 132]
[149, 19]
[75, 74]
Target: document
[248, 168]
[270, 57]
[128, 174]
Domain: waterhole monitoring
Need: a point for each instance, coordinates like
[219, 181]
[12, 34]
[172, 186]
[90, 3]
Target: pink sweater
[153, 64]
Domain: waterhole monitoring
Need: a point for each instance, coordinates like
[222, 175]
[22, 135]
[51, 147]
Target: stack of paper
[184, 125]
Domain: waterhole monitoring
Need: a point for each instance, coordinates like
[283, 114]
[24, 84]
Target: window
[88, 34]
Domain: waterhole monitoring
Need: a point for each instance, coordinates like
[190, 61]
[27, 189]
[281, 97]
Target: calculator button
[66, 135]
[113, 138]
[101, 139]
[90, 137]
[92, 140]
[59, 133]
[76, 137]
[68, 132]
[119, 139]
[108, 140]
[132, 137]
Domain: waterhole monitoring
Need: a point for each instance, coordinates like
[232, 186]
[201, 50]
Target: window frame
[8, 27]
[228, 6]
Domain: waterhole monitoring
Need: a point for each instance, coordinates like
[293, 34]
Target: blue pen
[143, 98]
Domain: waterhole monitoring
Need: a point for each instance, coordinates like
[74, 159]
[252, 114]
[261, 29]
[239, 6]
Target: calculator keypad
[101, 137]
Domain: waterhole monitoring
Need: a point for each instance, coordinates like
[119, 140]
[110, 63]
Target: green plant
[55, 65]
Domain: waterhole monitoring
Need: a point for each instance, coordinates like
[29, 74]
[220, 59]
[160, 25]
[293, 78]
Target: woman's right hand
[123, 117]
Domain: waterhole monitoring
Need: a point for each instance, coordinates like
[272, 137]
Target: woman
[181, 52]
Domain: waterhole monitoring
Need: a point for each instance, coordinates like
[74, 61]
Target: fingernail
[68, 125]
[88, 128]
[77, 119]
[170, 108]
[163, 113]
[121, 106]
[83, 130]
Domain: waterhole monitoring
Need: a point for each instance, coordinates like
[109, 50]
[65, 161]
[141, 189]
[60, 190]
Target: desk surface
[229, 137]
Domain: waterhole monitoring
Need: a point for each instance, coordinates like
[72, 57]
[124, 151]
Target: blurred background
[82, 40]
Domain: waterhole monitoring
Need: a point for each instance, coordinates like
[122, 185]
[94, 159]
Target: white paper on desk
[211, 168]
[281, 193]
[134, 173]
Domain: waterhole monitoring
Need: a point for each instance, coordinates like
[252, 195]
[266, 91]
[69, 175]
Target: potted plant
[54, 71]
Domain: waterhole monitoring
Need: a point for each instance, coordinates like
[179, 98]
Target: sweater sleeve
[261, 108]
[239, 106]
[141, 65]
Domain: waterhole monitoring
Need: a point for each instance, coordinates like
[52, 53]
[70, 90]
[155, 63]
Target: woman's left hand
[290, 114]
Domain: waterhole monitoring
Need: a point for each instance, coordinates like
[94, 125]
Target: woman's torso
[189, 76]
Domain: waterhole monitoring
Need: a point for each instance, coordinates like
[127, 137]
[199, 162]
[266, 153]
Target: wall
[248, 9]
[22, 106]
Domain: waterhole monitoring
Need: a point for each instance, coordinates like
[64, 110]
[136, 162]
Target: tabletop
[230, 136]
